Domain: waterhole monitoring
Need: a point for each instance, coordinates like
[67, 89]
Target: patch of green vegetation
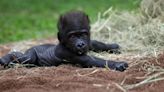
[32, 19]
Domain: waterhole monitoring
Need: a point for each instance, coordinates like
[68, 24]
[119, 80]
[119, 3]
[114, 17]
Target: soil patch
[68, 78]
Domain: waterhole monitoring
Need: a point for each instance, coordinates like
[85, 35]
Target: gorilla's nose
[80, 45]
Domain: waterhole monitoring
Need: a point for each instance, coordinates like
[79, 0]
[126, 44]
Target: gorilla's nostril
[81, 45]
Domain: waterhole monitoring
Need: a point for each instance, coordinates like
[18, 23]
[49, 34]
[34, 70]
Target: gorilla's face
[78, 41]
[74, 32]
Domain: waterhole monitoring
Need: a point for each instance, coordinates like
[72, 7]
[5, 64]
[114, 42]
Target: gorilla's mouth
[81, 51]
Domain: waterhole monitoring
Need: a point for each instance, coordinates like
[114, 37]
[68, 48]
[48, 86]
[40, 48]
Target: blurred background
[36, 19]
[136, 25]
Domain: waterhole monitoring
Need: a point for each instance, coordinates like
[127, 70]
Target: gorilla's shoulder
[46, 45]
[41, 48]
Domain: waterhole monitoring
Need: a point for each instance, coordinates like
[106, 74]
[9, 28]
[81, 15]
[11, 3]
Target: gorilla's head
[74, 31]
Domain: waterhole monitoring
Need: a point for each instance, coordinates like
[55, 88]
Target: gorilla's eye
[84, 34]
[72, 36]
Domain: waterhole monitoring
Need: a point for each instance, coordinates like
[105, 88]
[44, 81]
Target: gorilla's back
[41, 48]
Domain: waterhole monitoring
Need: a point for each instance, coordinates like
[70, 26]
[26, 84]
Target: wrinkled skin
[74, 43]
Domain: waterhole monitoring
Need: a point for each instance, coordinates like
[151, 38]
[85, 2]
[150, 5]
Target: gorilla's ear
[60, 23]
[88, 19]
[59, 36]
[88, 22]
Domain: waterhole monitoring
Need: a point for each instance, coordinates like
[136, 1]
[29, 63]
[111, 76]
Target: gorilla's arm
[99, 46]
[91, 61]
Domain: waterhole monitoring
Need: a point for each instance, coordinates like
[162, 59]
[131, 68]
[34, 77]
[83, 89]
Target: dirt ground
[67, 78]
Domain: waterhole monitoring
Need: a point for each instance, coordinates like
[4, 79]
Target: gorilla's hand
[120, 66]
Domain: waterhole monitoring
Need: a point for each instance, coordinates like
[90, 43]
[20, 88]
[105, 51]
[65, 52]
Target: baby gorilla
[74, 43]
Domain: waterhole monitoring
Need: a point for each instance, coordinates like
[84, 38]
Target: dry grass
[139, 34]
[128, 30]
[152, 9]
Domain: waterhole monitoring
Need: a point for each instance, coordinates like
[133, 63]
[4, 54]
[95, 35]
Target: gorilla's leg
[11, 57]
[18, 57]
[97, 46]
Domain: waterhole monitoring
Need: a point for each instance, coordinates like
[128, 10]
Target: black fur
[74, 43]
